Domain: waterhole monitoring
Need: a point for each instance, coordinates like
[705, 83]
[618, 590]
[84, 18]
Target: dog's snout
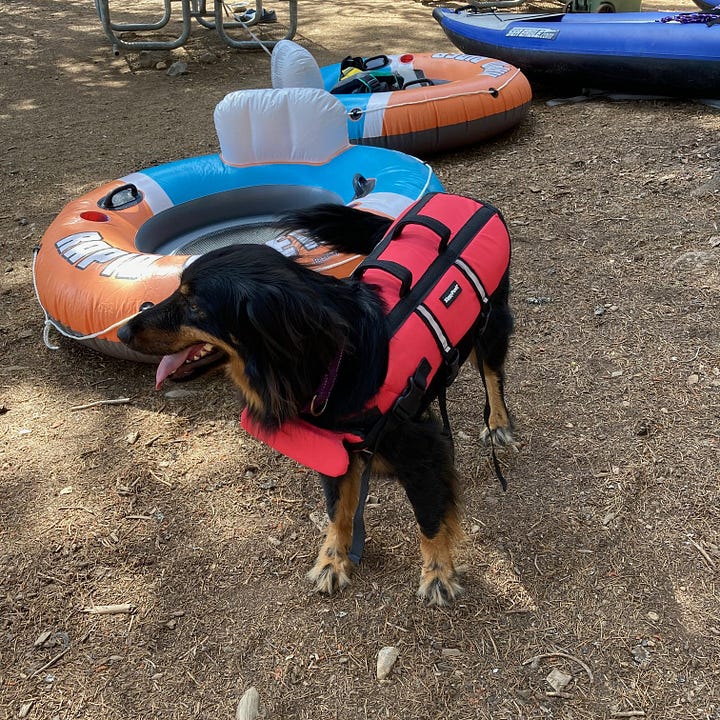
[125, 334]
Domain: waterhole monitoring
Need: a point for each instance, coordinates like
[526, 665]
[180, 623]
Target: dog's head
[261, 316]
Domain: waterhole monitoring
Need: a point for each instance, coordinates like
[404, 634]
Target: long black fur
[278, 326]
[344, 228]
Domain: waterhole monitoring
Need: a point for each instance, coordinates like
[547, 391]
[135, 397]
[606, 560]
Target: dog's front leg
[438, 578]
[429, 479]
[331, 571]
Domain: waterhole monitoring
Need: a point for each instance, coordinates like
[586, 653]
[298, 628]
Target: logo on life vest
[451, 294]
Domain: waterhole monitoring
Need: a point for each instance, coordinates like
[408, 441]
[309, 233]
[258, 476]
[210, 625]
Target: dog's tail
[342, 228]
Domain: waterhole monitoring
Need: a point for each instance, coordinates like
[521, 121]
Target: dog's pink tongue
[170, 363]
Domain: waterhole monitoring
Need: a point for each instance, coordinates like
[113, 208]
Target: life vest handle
[438, 227]
[398, 271]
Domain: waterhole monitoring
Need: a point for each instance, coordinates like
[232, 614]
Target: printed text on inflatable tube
[88, 248]
[493, 68]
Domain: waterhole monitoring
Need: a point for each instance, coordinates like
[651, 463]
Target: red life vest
[434, 270]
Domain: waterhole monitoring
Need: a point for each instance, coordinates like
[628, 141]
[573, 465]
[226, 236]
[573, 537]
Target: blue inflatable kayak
[660, 53]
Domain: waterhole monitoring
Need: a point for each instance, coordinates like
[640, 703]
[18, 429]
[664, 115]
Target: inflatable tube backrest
[283, 125]
[291, 65]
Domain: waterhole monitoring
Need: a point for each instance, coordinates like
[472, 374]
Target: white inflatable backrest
[291, 65]
[303, 125]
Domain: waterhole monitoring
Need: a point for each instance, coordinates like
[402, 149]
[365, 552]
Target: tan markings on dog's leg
[438, 580]
[498, 410]
[331, 571]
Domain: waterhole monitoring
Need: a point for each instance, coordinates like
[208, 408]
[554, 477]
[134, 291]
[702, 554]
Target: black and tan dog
[276, 327]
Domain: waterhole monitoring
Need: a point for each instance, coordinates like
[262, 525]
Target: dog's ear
[296, 334]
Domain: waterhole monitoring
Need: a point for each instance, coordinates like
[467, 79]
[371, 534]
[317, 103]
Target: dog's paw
[330, 573]
[499, 437]
[438, 588]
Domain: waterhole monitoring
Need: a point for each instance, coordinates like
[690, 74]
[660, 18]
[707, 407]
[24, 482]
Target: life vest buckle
[409, 403]
[452, 366]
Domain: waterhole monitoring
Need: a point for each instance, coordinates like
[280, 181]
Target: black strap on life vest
[438, 227]
[392, 268]
[486, 418]
[407, 407]
[416, 396]
[357, 545]
[449, 252]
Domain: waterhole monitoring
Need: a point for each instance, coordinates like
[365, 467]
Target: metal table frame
[212, 18]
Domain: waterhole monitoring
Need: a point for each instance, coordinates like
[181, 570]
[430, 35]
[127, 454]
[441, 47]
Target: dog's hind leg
[490, 349]
[421, 457]
[331, 571]
[498, 423]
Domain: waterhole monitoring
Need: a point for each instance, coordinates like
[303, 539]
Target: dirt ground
[601, 560]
